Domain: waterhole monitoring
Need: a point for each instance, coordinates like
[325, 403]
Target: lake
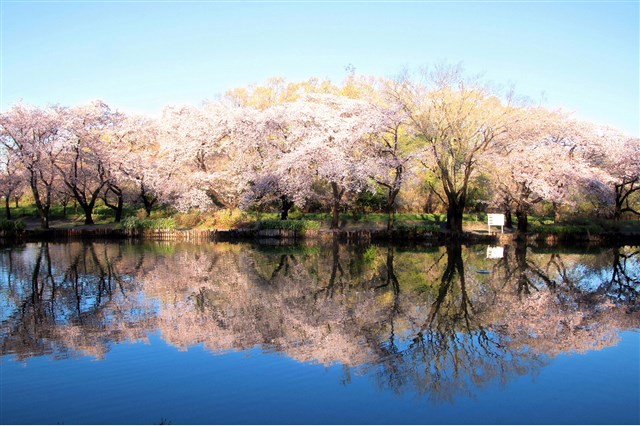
[219, 333]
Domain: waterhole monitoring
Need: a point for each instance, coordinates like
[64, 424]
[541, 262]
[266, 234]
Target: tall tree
[323, 139]
[532, 163]
[617, 157]
[133, 152]
[32, 136]
[11, 178]
[457, 120]
[83, 164]
[194, 152]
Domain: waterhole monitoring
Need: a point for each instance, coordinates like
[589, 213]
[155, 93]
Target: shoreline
[359, 236]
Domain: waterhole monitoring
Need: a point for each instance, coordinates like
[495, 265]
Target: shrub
[11, 226]
[20, 225]
[370, 254]
[291, 225]
[6, 225]
[189, 219]
[566, 229]
[227, 219]
[133, 222]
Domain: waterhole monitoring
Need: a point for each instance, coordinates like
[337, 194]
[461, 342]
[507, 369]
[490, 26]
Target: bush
[228, 219]
[133, 222]
[6, 225]
[291, 225]
[11, 226]
[566, 229]
[189, 219]
[370, 254]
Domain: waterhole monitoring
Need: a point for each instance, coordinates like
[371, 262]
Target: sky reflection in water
[318, 334]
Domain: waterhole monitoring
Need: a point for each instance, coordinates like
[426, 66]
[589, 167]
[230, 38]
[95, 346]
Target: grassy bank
[409, 225]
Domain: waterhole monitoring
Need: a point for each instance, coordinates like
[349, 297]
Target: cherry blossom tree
[264, 143]
[32, 136]
[533, 162]
[617, 158]
[194, 155]
[316, 139]
[389, 154]
[83, 165]
[11, 178]
[133, 151]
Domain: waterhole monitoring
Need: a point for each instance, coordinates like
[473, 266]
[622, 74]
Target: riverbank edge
[350, 236]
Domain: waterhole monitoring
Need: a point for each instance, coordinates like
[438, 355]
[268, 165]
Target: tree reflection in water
[417, 319]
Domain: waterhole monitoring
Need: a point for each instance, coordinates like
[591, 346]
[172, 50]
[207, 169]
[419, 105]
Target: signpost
[495, 219]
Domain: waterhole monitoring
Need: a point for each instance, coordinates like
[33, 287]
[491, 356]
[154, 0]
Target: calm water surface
[239, 333]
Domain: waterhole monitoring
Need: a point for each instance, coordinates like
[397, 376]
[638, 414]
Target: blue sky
[141, 56]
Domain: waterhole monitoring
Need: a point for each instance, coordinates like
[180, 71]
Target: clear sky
[142, 55]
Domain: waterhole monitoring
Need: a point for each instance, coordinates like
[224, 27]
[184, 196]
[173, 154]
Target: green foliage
[12, 226]
[367, 202]
[133, 222]
[370, 254]
[290, 225]
[567, 229]
[474, 217]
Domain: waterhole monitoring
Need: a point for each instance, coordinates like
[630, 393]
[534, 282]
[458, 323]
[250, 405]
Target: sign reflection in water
[419, 320]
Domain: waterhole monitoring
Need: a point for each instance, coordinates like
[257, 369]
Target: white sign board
[495, 252]
[495, 219]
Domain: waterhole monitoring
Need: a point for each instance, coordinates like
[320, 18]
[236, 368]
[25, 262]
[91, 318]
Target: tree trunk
[391, 220]
[617, 212]
[7, 208]
[286, 206]
[147, 200]
[119, 207]
[508, 217]
[523, 221]
[43, 208]
[335, 208]
[391, 209]
[428, 205]
[44, 217]
[455, 212]
[557, 215]
[16, 199]
[88, 211]
[623, 191]
[88, 220]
